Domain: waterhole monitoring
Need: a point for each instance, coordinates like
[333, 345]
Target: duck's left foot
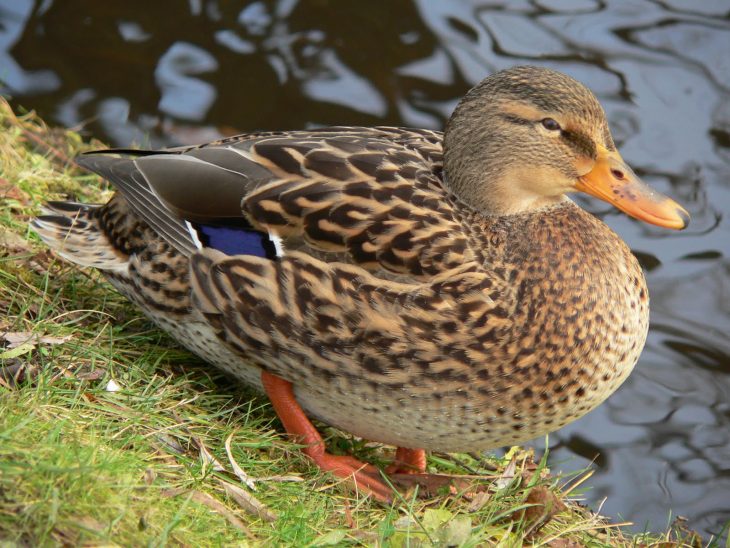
[366, 477]
[408, 461]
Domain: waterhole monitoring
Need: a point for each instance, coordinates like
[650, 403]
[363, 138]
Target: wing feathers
[127, 178]
[372, 196]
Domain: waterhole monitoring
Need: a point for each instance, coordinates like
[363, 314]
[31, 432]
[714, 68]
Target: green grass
[147, 464]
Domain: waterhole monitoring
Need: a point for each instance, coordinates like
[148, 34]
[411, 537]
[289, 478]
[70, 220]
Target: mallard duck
[425, 290]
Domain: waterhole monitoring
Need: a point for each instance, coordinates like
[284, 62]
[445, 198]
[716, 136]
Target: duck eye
[550, 124]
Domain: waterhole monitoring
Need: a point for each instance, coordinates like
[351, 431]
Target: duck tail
[74, 231]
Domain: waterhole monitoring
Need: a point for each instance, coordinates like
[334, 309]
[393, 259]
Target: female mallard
[426, 291]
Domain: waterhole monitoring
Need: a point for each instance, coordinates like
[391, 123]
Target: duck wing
[371, 197]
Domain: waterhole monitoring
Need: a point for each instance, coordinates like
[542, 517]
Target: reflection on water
[164, 73]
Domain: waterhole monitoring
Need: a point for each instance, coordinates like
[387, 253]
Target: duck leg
[366, 477]
[408, 461]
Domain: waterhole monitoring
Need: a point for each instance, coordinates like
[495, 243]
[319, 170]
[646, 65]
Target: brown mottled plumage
[448, 303]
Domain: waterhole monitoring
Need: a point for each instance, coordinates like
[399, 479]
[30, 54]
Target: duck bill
[614, 182]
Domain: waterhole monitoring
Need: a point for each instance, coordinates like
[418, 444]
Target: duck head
[525, 137]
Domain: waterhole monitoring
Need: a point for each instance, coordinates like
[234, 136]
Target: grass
[112, 435]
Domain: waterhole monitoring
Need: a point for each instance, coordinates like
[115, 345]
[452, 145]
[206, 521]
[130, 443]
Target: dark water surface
[160, 73]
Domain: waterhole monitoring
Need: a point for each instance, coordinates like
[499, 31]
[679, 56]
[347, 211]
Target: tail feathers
[73, 231]
[68, 208]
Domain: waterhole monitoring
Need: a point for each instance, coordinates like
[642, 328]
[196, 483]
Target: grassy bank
[112, 435]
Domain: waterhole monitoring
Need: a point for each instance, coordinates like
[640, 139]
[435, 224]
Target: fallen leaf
[434, 518]
[437, 527]
[94, 375]
[544, 506]
[14, 352]
[19, 338]
[170, 443]
[478, 502]
[14, 371]
[55, 340]
[456, 532]
[11, 242]
[16, 338]
[508, 475]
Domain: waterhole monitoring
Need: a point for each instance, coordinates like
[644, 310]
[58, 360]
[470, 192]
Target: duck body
[424, 325]
[426, 290]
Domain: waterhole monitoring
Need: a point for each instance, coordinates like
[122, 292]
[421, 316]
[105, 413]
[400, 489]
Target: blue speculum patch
[236, 240]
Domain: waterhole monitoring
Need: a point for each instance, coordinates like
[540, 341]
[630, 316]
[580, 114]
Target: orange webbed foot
[366, 477]
[408, 461]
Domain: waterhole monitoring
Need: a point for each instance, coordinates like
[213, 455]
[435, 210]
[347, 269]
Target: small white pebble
[112, 386]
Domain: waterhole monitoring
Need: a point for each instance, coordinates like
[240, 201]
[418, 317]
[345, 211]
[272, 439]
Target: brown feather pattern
[398, 313]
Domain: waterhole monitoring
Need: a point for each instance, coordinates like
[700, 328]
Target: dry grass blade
[207, 458]
[247, 501]
[240, 472]
[39, 134]
[215, 505]
[282, 479]
[582, 478]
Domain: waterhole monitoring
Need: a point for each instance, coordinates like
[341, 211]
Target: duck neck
[495, 190]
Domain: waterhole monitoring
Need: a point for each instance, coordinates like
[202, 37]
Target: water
[162, 73]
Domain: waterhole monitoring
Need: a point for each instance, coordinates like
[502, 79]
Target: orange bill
[614, 182]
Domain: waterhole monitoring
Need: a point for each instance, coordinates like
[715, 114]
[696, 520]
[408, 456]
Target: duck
[430, 291]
